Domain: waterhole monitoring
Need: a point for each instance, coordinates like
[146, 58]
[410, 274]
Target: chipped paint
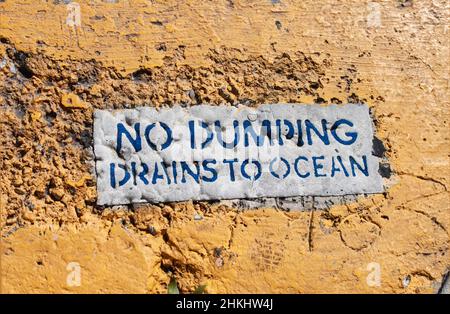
[126, 54]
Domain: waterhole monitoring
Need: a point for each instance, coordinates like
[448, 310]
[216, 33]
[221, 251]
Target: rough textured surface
[56, 68]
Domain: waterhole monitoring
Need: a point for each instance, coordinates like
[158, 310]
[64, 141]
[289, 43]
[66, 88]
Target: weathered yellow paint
[223, 51]
[72, 101]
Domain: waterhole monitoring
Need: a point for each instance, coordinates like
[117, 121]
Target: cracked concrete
[53, 75]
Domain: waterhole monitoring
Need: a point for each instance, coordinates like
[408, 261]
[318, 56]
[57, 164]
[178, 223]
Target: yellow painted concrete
[394, 55]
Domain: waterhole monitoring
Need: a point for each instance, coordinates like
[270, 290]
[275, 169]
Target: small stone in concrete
[197, 217]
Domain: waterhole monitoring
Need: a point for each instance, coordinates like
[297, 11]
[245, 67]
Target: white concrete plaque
[222, 152]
